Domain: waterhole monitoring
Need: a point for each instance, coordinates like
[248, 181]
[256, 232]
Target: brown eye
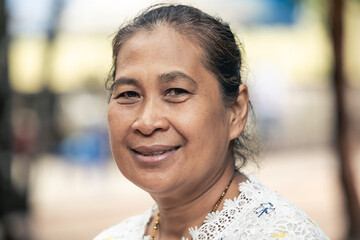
[128, 95]
[177, 95]
[176, 92]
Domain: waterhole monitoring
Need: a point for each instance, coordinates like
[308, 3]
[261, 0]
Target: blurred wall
[59, 57]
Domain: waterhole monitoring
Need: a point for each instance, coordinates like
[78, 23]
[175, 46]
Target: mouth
[154, 154]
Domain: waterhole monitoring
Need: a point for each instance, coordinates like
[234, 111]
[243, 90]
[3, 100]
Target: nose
[150, 119]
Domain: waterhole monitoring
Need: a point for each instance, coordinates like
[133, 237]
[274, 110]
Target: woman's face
[169, 128]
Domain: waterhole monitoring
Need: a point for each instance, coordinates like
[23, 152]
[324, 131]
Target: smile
[154, 154]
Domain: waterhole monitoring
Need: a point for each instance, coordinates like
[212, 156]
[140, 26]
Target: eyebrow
[170, 76]
[125, 81]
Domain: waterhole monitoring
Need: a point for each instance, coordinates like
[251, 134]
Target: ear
[239, 112]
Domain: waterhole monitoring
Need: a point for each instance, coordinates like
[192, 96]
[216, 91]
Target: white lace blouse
[257, 213]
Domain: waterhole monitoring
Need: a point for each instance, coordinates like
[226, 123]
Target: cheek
[201, 120]
[119, 124]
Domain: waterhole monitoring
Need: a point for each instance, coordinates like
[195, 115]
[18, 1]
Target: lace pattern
[257, 213]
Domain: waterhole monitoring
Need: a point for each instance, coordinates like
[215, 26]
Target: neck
[180, 212]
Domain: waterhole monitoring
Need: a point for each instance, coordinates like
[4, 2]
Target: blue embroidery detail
[264, 208]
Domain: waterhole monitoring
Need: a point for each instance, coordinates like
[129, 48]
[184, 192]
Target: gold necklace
[156, 226]
[216, 206]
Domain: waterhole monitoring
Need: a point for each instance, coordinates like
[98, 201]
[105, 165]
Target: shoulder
[131, 228]
[277, 217]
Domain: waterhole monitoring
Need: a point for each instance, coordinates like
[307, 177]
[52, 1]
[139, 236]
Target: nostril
[149, 127]
[148, 131]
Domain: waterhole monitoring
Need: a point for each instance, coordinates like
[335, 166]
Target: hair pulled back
[221, 54]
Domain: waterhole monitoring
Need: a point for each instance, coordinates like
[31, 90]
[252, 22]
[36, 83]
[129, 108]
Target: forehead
[160, 46]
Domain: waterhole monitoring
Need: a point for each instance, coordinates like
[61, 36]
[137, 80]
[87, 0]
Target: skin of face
[169, 129]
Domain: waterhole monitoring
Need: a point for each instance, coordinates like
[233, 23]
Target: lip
[154, 154]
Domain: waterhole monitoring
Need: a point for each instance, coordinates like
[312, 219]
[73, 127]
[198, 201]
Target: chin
[152, 180]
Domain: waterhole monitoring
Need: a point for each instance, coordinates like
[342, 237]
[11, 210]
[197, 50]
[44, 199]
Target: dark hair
[221, 53]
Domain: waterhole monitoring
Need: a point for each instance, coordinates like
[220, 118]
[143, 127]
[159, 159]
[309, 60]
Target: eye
[174, 92]
[177, 95]
[128, 97]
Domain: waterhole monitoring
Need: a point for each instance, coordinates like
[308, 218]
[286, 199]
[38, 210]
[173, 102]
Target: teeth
[155, 153]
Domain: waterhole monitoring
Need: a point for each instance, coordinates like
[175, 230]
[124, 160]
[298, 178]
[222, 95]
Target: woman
[176, 115]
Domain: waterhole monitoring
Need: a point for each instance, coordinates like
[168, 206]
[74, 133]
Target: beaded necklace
[216, 206]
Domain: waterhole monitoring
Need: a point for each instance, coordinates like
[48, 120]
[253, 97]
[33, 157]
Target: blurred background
[58, 179]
